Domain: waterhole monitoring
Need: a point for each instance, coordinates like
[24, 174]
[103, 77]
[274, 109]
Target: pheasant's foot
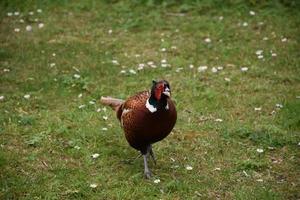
[147, 174]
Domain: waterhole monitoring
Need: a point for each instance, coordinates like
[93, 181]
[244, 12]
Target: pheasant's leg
[147, 172]
[152, 154]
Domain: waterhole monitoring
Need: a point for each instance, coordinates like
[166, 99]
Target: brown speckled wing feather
[137, 100]
[134, 102]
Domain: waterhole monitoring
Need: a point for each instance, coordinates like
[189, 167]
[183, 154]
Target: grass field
[238, 129]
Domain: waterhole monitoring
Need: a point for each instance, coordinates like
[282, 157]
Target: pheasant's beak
[167, 92]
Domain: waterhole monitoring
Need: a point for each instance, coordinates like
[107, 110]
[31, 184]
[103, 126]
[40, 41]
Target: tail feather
[112, 102]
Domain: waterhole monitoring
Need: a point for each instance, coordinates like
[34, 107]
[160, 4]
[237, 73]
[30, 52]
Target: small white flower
[80, 95]
[104, 129]
[221, 18]
[36, 19]
[278, 105]
[245, 24]
[39, 10]
[259, 180]
[188, 167]
[283, 39]
[217, 169]
[92, 102]
[153, 66]
[41, 25]
[257, 109]
[16, 13]
[104, 109]
[31, 13]
[9, 14]
[98, 110]
[218, 120]
[265, 38]
[244, 69]
[273, 112]
[163, 61]
[252, 13]
[110, 31]
[260, 56]
[142, 65]
[105, 117]
[28, 28]
[156, 181]
[191, 66]
[163, 49]
[207, 40]
[52, 65]
[179, 69]
[172, 159]
[27, 96]
[164, 65]
[274, 54]
[77, 147]
[260, 23]
[260, 150]
[298, 143]
[1, 98]
[132, 71]
[123, 71]
[227, 79]
[214, 70]
[202, 68]
[95, 155]
[220, 68]
[93, 185]
[115, 62]
[21, 21]
[258, 52]
[81, 106]
[6, 70]
[150, 63]
[76, 76]
[17, 30]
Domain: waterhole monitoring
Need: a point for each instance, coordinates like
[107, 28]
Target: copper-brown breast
[142, 127]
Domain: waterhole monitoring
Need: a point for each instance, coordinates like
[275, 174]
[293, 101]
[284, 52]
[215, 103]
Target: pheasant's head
[161, 90]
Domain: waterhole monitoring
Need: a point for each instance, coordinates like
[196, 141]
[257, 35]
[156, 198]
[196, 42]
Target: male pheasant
[146, 118]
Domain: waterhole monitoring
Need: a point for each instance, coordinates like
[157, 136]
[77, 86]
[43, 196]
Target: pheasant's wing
[134, 102]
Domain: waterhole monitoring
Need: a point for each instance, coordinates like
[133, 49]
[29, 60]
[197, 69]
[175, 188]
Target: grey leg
[152, 154]
[147, 172]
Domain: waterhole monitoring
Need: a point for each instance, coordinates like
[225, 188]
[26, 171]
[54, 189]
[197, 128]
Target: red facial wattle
[158, 91]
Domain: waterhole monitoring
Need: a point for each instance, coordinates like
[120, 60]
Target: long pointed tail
[112, 102]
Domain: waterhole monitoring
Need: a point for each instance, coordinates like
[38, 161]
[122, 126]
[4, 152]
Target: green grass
[40, 136]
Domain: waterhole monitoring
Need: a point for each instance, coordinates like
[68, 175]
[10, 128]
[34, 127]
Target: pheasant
[146, 118]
